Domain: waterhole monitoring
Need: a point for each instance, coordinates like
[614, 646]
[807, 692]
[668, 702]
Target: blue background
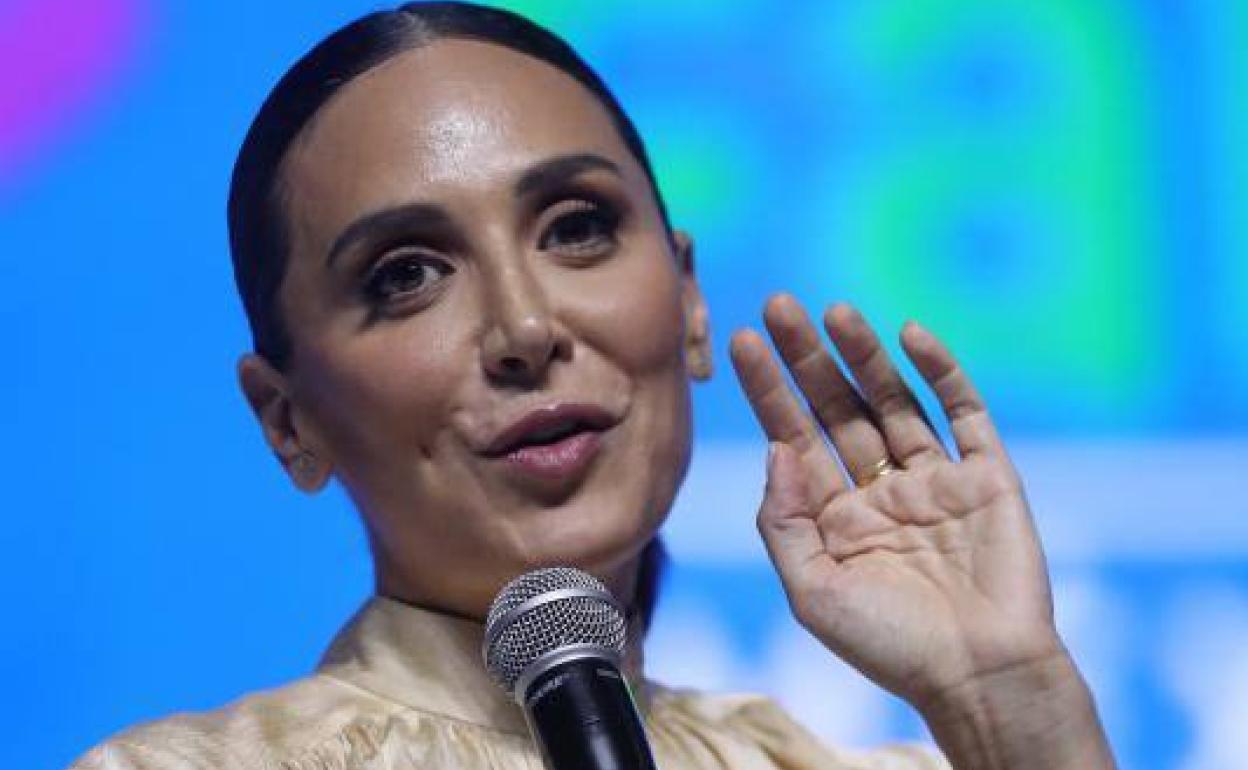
[1057, 188]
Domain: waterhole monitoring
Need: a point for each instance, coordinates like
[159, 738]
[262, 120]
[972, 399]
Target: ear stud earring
[698, 364]
[305, 466]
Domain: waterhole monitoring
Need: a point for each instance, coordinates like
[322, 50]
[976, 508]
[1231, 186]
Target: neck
[472, 602]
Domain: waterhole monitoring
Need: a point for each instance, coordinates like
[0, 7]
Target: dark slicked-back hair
[259, 238]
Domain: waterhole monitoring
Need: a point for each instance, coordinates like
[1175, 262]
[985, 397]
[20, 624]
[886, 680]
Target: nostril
[521, 351]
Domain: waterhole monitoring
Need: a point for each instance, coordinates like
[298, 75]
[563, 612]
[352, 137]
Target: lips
[549, 426]
[550, 449]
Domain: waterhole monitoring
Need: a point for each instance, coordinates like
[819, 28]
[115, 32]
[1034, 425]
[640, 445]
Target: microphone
[554, 639]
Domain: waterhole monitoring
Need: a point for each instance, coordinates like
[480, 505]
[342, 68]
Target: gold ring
[878, 470]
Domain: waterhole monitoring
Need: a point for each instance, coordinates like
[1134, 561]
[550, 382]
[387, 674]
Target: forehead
[451, 118]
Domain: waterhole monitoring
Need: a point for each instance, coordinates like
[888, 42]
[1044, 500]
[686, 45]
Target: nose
[522, 337]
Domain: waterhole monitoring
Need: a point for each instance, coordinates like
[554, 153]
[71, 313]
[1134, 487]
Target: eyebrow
[408, 215]
[558, 170]
[542, 176]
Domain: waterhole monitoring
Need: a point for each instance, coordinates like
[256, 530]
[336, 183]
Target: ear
[697, 320]
[268, 392]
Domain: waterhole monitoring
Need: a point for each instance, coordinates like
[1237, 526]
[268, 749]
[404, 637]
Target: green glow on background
[1078, 158]
[693, 175]
[567, 17]
[706, 167]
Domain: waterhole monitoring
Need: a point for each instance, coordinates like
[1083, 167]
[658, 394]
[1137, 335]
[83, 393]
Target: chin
[600, 552]
[606, 549]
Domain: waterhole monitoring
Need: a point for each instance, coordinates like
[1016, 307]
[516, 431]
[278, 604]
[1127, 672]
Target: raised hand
[920, 568]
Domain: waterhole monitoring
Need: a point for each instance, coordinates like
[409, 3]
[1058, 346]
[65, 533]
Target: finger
[835, 402]
[968, 416]
[906, 429]
[786, 520]
[781, 415]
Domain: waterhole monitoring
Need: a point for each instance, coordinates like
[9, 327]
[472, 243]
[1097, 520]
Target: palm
[924, 577]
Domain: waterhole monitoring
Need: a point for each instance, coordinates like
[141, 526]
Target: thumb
[784, 517]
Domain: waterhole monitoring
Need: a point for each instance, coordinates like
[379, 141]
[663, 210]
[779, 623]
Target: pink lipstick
[554, 442]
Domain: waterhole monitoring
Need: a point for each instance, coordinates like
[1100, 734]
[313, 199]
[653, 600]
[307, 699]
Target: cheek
[377, 393]
[639, 328]
[636, 317]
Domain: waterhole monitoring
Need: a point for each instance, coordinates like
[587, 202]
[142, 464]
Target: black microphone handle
[582, 714]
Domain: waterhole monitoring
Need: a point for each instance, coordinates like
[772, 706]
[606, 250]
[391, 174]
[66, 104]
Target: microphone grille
[546, 610]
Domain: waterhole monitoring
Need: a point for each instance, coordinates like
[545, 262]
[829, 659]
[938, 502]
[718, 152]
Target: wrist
[1037, 715]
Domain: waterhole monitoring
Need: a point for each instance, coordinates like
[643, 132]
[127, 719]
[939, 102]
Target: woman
[469, 308]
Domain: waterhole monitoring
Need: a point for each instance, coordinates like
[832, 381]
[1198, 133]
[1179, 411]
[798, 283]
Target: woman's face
[489, 325]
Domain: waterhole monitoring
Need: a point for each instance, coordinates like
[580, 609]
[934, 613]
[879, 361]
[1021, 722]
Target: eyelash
[578, 212]
[390, 277]
[384, 283]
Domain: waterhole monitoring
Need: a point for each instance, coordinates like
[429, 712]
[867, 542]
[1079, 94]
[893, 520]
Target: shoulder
[318, 721]
[757, 725]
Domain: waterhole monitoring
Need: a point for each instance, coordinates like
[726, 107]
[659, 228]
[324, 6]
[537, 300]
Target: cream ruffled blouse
[402, 687]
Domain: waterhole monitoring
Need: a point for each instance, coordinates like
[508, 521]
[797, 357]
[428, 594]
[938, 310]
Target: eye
[580, 227]
[403, 274]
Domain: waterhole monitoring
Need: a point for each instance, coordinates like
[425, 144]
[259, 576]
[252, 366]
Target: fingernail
[772, 448]
[848, 313]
